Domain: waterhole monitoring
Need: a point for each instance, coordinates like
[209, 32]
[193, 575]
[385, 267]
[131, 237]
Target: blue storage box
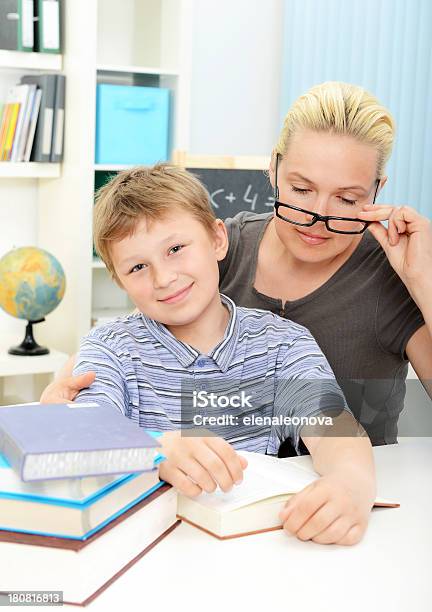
[132, 124]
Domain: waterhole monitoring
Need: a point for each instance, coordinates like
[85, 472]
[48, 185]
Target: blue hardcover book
[45, 441]
[69, 508]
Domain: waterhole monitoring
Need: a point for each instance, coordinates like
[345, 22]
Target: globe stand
[29, 346]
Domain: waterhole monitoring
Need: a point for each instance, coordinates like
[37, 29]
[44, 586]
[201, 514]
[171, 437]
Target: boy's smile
[177, 296]
[169, 268]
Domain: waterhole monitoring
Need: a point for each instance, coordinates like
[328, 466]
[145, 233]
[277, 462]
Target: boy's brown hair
[148, 192]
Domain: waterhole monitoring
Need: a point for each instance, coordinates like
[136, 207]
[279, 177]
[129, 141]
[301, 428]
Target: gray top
[362, 319]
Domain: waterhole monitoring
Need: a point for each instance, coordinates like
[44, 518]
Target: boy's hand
[332, 510]
[66, 389]
[193, 465]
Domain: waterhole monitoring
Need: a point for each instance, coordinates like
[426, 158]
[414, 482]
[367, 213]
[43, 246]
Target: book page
[264, 477]
[64, 489]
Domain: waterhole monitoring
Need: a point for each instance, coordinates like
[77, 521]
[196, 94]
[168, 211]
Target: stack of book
[68, 522]
[32, 120]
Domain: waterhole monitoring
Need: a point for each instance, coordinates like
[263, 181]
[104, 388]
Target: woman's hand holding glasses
[407, 242]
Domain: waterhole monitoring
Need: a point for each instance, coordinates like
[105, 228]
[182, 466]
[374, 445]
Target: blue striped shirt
[143, 370]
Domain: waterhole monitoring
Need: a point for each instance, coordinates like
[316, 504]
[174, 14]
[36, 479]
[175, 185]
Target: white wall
[236, 68]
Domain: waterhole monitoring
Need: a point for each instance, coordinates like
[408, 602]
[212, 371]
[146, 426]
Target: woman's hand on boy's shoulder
[66, 389]
[329, 511]
[196, 464]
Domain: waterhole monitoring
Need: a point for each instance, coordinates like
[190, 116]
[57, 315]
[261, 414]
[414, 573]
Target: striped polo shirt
[264, 378]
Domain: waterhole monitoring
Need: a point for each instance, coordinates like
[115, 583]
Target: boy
[158, 236]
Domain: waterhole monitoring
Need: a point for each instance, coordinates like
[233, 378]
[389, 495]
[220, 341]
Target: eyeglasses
[306, 218]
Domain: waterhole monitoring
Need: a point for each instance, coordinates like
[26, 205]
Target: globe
[32, 284]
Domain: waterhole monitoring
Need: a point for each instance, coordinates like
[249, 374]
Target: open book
[253, 506]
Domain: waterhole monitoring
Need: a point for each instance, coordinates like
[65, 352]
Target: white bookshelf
[138, 42]
[22, 379]
[148, 43]
[32, 170]
[20, 60]
[20, 183]
[111, 167]
[137, 70]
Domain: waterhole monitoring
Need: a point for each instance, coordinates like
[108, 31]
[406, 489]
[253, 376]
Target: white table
[391, 569]
[42, 367]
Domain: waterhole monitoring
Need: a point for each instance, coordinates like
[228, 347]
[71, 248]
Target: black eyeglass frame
[315, 216]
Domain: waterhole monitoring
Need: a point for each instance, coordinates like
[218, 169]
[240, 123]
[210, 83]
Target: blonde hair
[145, 192]
[341, 108]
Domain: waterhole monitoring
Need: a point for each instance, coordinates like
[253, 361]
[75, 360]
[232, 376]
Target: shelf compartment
[21, 60]
[136, 70]
[29, 170]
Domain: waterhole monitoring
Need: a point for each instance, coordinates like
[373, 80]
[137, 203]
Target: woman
[365, 295]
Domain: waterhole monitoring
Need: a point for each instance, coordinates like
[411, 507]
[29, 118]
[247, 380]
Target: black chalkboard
[232, 191]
